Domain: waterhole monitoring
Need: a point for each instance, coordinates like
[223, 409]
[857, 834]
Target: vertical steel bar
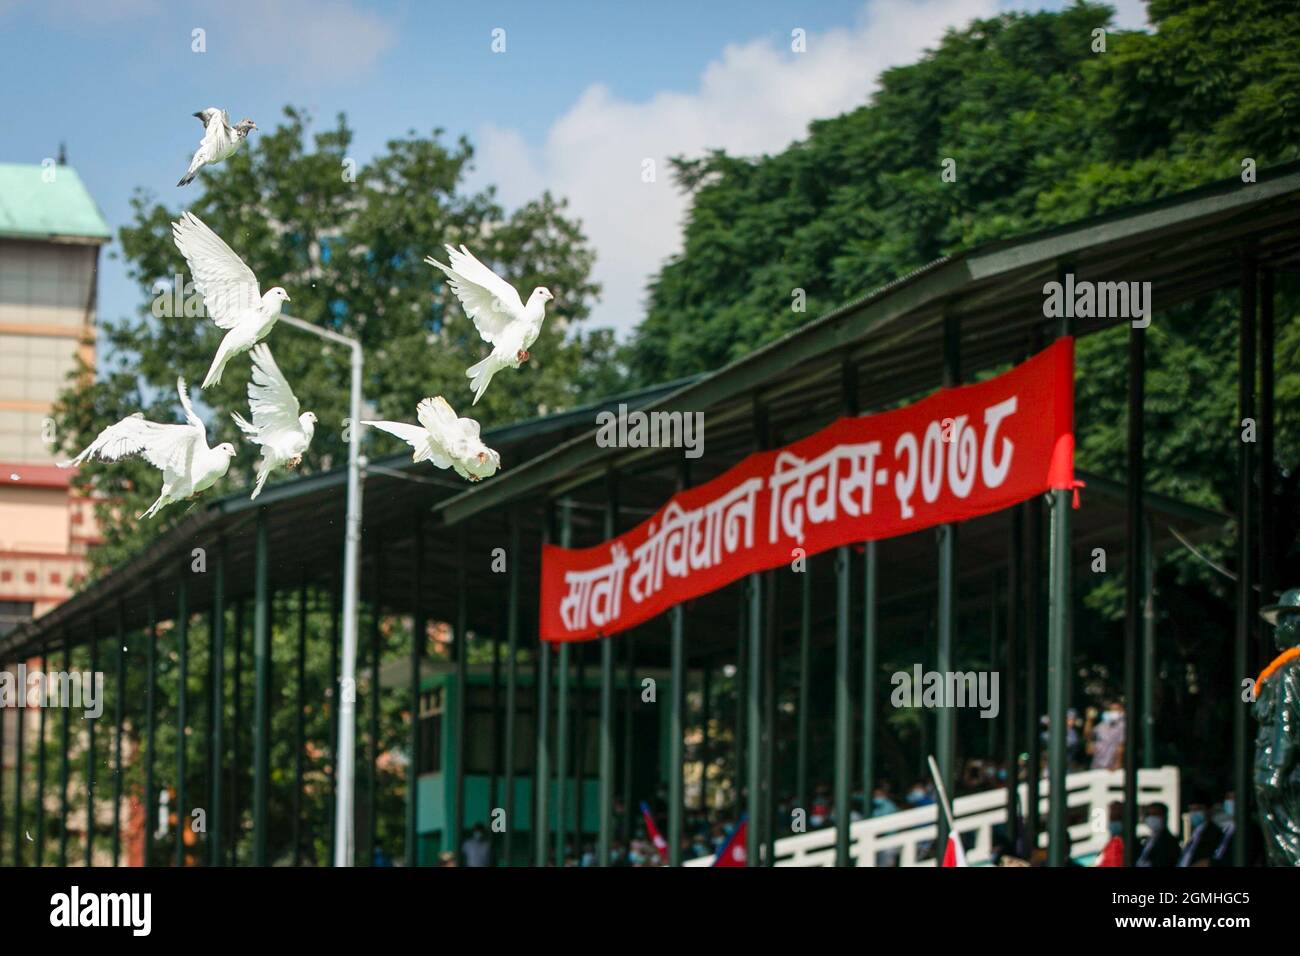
[1149, 666]
[150, 729]
[1011, 752]
[1245, 623]
[372, 764]
[299, 723]
[946, 717]
[1133, 525]
[1267, 533]
[542, 768]
[562, 720]
[335, 697]
[217, 651]
[676, 714]
[870, 664]
[605, 827]
[261, 691]
[119, 717]
[237, 733]
[754, 719]
[418, 627]
[38, 858]
[90, 753]
[182, 711]
[805, 685]
[512, 683]
[19, 833]
[462, 692]
[65, 765]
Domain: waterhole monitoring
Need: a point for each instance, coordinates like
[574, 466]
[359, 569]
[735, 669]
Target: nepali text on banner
[960, 453]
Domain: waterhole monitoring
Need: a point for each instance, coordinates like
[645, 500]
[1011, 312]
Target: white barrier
[907, 831]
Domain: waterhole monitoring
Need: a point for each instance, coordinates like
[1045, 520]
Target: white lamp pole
[345, 758]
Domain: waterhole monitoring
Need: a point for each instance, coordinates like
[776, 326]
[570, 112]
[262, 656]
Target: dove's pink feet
[294, 462]
[522, 355]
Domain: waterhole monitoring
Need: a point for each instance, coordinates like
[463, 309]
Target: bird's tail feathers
[263, 473]
[479, 375]
[186, 179]
[154, 508]
[218, 366]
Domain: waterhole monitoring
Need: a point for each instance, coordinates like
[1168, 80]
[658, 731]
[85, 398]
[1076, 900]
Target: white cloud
[756, 97]
[314, 40]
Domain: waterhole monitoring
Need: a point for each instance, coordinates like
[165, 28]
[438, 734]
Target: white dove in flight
[445, 440]
[220, 140]
[502, 319]
[180, 452]
[277, 426]
[229, 289]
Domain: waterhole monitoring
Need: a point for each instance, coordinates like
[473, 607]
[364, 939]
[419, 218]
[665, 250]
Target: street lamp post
[344, 759]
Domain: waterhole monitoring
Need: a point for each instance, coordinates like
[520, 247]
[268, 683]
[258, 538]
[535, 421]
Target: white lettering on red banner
[961, 453]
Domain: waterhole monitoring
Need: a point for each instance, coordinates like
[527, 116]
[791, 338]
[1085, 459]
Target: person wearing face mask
[1160, 848]
[1203, 836]
[1107, 738]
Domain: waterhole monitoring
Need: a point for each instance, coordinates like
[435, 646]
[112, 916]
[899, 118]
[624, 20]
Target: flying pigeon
[229, 289]
[283, 433]
[220, 140]
[445, 440]
[501, 318]
[180, 452]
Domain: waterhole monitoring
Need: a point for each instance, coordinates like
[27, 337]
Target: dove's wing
[183, 391]
[488, 299]
[274, 406]
[427, 447]
[228, 286]
[166, 447]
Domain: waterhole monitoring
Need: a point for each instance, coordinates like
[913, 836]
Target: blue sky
[583, 93]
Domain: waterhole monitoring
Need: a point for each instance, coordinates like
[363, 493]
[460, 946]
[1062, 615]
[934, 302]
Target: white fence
[906, 832]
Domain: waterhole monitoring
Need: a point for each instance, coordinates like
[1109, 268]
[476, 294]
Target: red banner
[962, 452]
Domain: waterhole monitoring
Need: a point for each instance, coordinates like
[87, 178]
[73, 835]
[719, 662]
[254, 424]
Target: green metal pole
[1059, 616]
[629, 699]
[946, 717]
[261, 691]
[676, 732]
[2, 780]
[562, 721]
[512, 683]
[1241, 656]
[870, 664]
[606, 757]
[300, 723]
[217, 652]
[182, 711]
[542, 768]
[150, 730]
[579, 744]
[1133, 584]
[1149, 644]
[18, 785]
[66, 762]
[843, 708]
[39, 858]
[418, 626]
[1267, 467]
[805, 682]
[90, 755]
[754, 718]
[334, 694]
[119, 716]
[372, 765]
[237, 732]
[462, 693]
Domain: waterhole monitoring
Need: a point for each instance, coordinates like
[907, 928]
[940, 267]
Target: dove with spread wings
[501, 317]
[220, 140]
[180, 452]
[277, 426]
[229, 289]
[445, 440]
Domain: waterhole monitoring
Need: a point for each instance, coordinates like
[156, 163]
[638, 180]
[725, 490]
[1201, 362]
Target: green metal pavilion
[430, 542]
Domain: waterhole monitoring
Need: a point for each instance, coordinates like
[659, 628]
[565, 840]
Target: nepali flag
[955, 854]
[733, 851]
[661, 845]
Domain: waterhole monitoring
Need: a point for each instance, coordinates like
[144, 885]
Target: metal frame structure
[957, 319]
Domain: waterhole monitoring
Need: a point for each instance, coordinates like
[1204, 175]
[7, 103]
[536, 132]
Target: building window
[429, 742]
[55, 577]
[30, 577]
[6, 575]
